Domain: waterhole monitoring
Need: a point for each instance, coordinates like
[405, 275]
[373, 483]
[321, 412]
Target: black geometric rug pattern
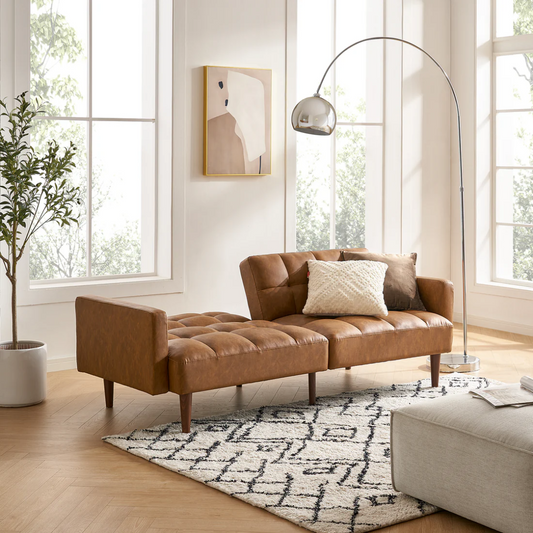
[324, 467]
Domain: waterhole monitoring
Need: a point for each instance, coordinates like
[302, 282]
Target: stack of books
[515, 395]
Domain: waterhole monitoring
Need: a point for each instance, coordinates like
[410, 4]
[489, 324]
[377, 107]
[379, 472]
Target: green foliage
[351, 179]
[523, 22]
[64, 253]
[118, 254]
[33, 190]
[523, 213]
[312, 216]
[53, 41]
[523, 253]
[58, 253]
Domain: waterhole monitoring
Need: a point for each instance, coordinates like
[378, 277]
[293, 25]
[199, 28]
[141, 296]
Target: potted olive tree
[34, 191]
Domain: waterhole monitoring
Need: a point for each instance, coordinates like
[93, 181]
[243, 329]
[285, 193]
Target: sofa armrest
[122, 342]
[437, 295]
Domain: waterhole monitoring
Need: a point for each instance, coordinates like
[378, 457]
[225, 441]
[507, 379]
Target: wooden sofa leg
[239, 386]
[435, 366]
[109, 387]
[348, 368]
[186, 412]
[312, 388]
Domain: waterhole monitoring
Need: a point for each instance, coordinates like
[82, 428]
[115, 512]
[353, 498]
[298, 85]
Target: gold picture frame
[237, 121]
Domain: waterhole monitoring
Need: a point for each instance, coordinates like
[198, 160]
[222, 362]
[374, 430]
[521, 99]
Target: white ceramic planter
[22, 374]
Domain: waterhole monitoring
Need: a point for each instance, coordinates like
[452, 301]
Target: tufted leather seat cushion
[213, 350]
[358, 340]
[201, 319]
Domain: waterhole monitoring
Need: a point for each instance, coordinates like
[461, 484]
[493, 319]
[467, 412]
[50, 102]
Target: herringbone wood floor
[56, 475]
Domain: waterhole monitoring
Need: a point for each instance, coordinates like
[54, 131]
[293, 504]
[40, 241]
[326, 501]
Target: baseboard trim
[61, 363]
[500, 325]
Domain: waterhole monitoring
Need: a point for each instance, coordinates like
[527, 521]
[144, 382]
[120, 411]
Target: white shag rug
[324, 467]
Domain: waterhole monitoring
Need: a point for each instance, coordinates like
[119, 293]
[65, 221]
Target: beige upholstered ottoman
[461, 454]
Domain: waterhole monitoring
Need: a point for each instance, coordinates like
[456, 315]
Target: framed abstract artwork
[238, 121]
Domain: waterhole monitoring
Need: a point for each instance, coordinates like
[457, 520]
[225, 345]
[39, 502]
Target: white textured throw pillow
[346, 288]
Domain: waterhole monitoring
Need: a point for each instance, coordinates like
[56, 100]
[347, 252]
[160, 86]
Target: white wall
[489, 305]
[425, 212]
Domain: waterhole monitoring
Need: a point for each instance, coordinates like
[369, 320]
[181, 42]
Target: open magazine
[517, 394]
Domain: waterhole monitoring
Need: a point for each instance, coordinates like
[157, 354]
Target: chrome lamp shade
[315, 116]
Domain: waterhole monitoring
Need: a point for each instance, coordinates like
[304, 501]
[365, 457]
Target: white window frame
[502, 46]
[148, 238]
[170, 160]
[487, 46]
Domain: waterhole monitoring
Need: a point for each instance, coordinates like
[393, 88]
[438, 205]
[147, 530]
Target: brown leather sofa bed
[141, 347]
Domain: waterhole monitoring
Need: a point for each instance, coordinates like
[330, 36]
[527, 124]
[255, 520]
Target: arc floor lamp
[317, 116]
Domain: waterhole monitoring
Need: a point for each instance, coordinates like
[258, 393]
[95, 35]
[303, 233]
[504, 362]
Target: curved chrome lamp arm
[322, 131]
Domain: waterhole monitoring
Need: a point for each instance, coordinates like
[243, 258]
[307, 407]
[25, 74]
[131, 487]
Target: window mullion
[96, 119]
[512, 167]
[514, 224]
[514, 44]
[340, 123]
[89, 246]
[493, 199]
[156, 139]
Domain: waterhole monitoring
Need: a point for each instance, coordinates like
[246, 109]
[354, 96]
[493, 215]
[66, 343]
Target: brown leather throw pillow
[400, 289]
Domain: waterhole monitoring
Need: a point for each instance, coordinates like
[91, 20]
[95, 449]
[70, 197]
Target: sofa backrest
[276, 284]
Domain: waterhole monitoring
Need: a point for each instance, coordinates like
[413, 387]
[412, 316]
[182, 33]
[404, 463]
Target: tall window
[334, 173]
[93, 64]
[513, 138]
